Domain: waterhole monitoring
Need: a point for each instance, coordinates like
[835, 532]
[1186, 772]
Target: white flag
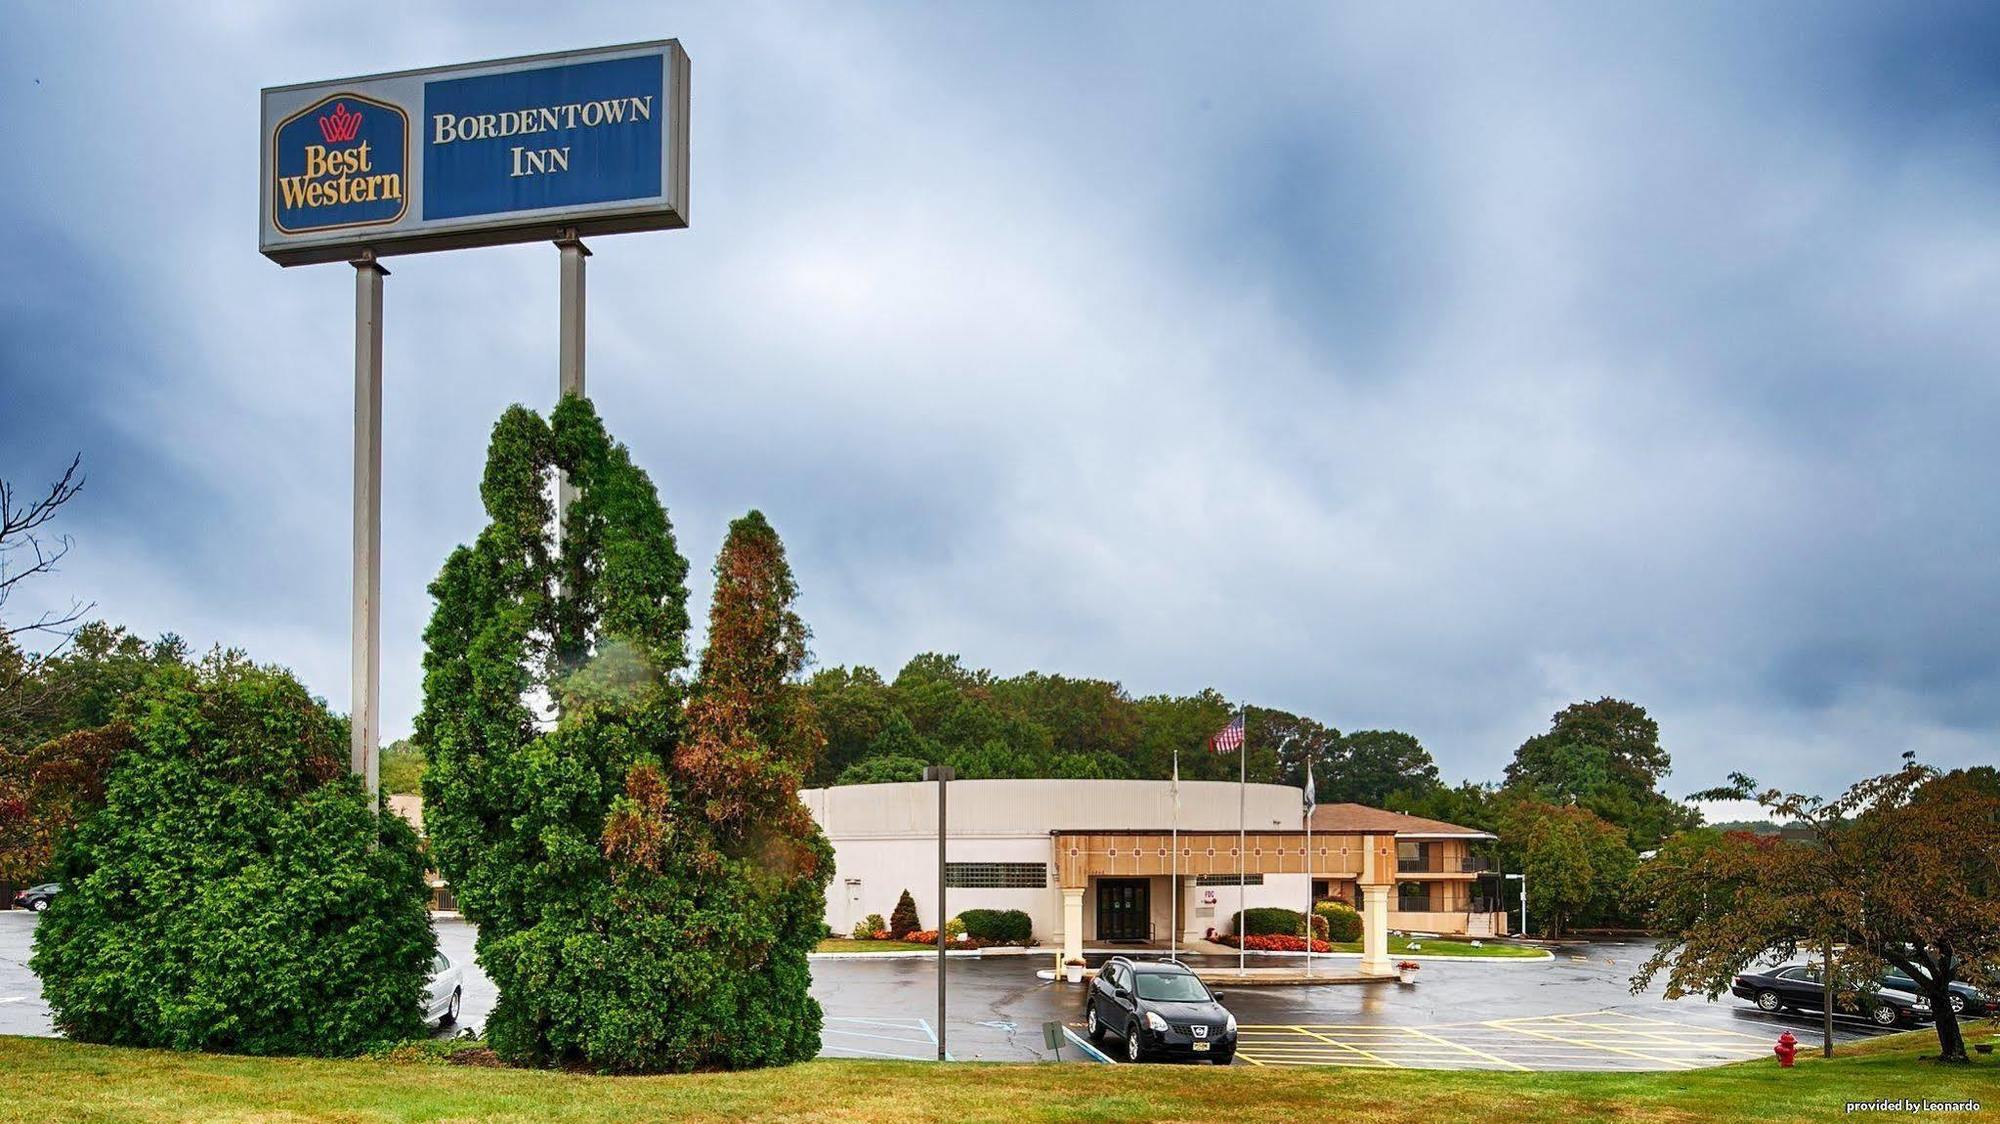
[1177, 781]
[1312, 799]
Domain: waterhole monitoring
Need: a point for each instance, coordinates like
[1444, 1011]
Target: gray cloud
[1424, 368]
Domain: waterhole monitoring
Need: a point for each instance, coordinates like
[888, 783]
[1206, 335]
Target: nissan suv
[1161, 1010]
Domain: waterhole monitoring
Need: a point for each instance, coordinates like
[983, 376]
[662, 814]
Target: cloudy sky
[1425, 367]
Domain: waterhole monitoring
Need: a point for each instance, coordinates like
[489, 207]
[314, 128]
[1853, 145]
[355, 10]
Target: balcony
[1473, 864]
[1413, 866]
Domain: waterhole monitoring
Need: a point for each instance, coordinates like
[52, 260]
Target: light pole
[941, 774]
[1523, 880]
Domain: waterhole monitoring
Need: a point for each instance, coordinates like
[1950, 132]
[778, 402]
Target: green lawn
[845, 944]
[1432, 946]
[50, 1079]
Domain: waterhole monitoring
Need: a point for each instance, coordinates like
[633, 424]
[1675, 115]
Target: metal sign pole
[941, 774]
[365, 721]
[569, 351]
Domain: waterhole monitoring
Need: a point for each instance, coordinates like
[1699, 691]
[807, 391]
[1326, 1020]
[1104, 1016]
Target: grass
[846, 944]
[51, 1079]
[1433, 946]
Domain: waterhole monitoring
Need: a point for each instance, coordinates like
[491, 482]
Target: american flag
[1229, 738]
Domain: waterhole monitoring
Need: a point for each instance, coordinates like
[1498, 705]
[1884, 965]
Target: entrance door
[1124, 909]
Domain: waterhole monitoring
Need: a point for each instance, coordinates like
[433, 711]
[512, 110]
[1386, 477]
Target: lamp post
[1523, 880]
[941, 774]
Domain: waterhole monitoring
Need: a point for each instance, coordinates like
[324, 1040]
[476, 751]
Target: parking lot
[1574, 1013]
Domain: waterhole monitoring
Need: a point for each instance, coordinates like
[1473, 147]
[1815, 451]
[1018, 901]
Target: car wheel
[1134, 1050]
[1958, 1004]
[1769, 1001]
[41, 905]
[1096, 1028]
[1883, 1016]
[451, 1009]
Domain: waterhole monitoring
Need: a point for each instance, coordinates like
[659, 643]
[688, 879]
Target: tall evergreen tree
[551, 675]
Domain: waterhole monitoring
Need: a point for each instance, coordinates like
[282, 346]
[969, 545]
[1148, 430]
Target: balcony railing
[1413, 905]
[1412, 866]
[1473, 864]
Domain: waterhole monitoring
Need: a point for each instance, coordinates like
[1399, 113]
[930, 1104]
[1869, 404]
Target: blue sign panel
[340, 162]
[558, 136]
[538, 148]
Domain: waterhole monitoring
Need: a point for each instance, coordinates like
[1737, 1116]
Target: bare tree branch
[21, 533]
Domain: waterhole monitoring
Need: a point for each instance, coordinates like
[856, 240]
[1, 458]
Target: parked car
[37, 898]
[1797, 987]
[1162, 1010]
[1965, 998]
[447, 987]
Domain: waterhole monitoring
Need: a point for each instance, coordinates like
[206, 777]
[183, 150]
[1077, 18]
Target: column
[364, 715]
[1375, 931]
[1072, 948]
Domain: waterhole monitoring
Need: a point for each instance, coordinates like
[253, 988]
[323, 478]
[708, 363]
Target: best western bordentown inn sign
[517, 150]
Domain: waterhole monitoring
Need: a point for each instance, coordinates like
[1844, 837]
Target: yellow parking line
[1327, 1061]
[1470, 1050]
[1596, 1045]
[1702, 1029]
[1571, 1020]
[1345, 1046]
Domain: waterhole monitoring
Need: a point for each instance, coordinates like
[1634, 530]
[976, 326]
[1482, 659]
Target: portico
[1119, 884]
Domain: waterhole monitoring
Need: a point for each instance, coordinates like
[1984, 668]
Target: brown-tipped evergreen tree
[645, 880]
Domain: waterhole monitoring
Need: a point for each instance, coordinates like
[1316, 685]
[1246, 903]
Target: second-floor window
[1413, 856]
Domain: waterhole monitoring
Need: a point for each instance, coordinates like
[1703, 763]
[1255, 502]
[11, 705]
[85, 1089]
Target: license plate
[1200, 1046]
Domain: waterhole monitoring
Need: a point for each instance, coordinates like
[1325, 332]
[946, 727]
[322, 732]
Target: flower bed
[1274, 942]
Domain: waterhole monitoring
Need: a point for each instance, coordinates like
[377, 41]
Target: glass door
[1124, 909]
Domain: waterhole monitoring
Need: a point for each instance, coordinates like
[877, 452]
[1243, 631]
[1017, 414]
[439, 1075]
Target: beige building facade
[1095, 862]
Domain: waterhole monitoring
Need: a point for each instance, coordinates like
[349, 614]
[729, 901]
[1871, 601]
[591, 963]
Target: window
[1413, 857]
[996, 876]
[1228, 879]
[1171, 987]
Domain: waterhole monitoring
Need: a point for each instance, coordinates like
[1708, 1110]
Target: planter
[1406, 971]
[1073, 973]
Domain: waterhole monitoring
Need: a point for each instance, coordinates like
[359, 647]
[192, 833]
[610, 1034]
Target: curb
[924, 954]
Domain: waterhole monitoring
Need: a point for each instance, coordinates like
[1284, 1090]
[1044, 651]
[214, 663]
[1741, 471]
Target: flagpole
[1174, 887]
[1242, 848]
[1309, 869]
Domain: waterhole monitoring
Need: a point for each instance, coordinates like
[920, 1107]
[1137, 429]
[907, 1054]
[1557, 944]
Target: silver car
[447, 986]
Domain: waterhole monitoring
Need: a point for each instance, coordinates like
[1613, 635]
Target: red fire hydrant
[1786, 1049]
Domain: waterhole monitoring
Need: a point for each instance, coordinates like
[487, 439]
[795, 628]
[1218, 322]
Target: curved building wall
[884, 839]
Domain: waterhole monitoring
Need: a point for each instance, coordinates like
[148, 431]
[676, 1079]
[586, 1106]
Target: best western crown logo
[340, 162]
[339, 126]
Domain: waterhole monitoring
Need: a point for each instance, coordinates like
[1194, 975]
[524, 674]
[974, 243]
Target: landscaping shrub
[234, 892]
[1343, 923]
[646, 882]
[866, 928]
[1264, 920]
[1003, 926]
[954, 929]
[904, 918]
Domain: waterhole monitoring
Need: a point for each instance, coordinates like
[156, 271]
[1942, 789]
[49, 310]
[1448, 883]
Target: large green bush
[234, 892]
[1263, 921]
[646, 882]
[1010, 925]
[1342, 922]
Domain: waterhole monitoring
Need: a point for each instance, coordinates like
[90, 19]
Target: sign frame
[411, 232]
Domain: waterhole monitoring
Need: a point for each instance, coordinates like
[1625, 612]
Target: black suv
[1161, 1009]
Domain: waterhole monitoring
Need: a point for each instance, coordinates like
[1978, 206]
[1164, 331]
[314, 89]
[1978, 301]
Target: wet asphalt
[887, 1007]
